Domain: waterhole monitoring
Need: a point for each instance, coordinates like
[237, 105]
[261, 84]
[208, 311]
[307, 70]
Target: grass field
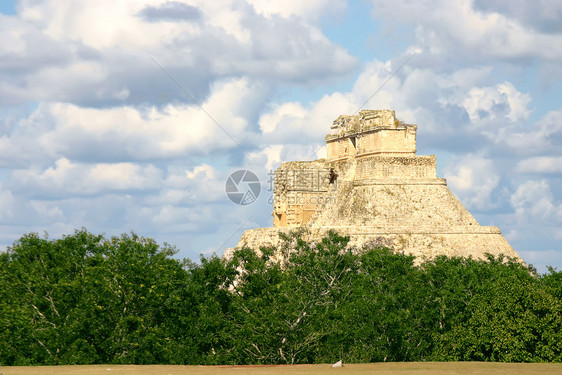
[417, 368]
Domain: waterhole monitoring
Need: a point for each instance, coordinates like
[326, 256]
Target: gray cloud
[93, 69]
[171, 11]
[541, 15]
[456, 33]
[544, 138]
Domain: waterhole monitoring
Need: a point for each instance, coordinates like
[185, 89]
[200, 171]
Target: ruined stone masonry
[374, 188]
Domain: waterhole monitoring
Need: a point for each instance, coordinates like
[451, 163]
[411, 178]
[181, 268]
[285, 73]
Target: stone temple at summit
[373, 188]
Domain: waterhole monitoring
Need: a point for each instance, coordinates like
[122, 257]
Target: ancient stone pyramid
[374, 188]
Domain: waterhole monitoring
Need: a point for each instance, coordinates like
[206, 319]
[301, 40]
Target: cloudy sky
[120, 115]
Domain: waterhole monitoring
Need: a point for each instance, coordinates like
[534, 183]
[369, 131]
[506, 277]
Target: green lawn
[418, 368]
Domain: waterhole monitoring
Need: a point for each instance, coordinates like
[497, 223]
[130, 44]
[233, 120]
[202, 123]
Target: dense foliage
[85, 299]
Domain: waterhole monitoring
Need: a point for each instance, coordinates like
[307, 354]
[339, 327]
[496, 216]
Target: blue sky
[7, 7]
[94, 134]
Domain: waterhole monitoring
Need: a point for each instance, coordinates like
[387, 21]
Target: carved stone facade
[374, 188]
[370, 133]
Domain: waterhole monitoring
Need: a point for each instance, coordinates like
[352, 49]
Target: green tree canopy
[87, 299]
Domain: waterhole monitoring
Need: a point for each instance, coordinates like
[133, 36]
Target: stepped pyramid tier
[373, 188]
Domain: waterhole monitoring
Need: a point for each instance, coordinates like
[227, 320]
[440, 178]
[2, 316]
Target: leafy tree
[204, 312]
[510, 318]
[322, 302]
[552, 282]
[42, 284]
[384, 310]
[84, 299]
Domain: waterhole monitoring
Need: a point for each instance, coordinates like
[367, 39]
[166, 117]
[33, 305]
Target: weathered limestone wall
[373, 188]
[384, 202]
[384, 141]
[423, 243]
[403, 167]
[370, 133]
[298, 192]
[340, 149]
